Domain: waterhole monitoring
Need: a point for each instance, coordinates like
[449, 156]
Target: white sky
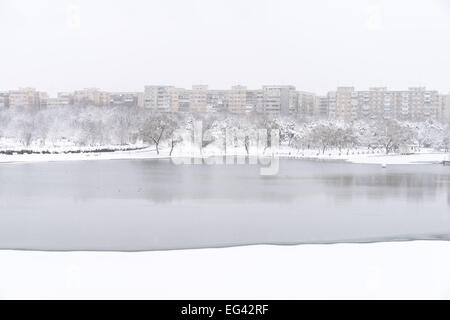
[316, 45]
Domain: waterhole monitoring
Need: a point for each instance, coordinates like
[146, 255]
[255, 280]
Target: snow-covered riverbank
[407, 270]
[354, 156]
[424, 157]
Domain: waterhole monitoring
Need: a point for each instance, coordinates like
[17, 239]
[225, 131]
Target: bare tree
[26, 129]
[172, 126]
[208, 123]
[157, 128]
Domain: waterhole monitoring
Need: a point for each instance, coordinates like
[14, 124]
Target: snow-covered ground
[409, 270]
[363, 156]
[354, 156]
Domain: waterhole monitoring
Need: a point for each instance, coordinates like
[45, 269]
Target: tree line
[98, 126]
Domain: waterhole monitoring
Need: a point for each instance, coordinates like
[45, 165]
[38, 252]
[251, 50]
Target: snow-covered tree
[391, 135]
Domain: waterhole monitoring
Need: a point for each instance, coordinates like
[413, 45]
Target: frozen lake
[154, 204]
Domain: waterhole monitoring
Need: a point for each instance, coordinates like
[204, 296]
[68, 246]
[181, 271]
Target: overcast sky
[315, 45]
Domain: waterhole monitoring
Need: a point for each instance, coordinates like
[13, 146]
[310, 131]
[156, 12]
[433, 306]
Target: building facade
[125, 99]
[307, 106]
[4, 99]
[217, 100]
[279, 100]
[444, 108]
[237, 100]
[199, 97]
[158, 98]
[414, 104]
[345, 103]
[91, 96]
[27, 98]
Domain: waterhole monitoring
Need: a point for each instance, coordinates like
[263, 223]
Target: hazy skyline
[58, 45]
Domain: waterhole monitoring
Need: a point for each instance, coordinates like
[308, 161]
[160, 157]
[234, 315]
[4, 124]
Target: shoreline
[142, 153]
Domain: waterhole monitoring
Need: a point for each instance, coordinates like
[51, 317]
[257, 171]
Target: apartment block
[184, 100]
[42, 99]
[62, 99]
[217, 100]
[279, 100]
[4, 100]
[423, 104]
[237, 100]
[84, 97]
[125, 99]
[199, 97]
[255, 101]
[158, 98]
[444, 108]
[322, 106]
[346, 104]
[414, 104]
[91, 96]
[180, 99]
[306, 106]
[26, 98]
[332, 97]
[66, 98]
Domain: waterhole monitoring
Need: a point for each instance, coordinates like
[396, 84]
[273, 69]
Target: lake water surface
[156, 205]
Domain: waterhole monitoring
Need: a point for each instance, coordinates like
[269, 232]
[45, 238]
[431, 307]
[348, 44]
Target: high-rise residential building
[373, 103]
[26, 98]
[389, 105]
[237, 100]
[347, 106]
[42, 99]
[199, 97]
[279, 100]
[4, 99]
[444, 108]
[415, 104]
[217, 100]
[62, 99]
[364, 102]
[174, 99]
[402, 105]
[184, 100]
[322, 105]
[346, 103]
[84, 97]
[179, 99]
[167, 99]
[331, 96]
[66, 98]
[158, 98]
[102, 99]
[307, 107]
[91, 96]
[255, 100]
[21, 98]
[377, 106]
[424, 104]
[53, 103]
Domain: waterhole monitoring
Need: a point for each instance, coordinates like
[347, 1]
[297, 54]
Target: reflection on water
[161, 181]
[153, 204]
[412, 186]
